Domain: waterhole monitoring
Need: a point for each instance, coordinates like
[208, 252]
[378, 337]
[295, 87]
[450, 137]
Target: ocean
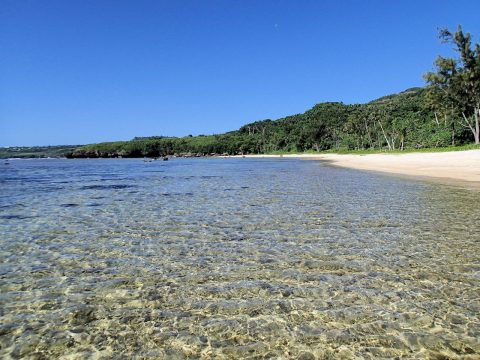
[234, 258]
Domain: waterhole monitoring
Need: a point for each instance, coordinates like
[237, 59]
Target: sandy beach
[461, 167]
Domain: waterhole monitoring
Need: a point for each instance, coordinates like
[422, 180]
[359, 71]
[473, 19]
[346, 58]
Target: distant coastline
[32, 152]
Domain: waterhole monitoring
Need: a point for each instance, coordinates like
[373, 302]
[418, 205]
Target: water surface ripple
[234, 258]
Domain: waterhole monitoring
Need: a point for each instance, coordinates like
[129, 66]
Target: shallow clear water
[234, 258]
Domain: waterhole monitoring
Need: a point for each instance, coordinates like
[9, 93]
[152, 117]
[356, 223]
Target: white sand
[463, 166]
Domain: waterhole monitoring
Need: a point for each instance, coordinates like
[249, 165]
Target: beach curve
[462, 167]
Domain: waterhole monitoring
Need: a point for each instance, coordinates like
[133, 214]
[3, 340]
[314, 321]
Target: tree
[455, 86]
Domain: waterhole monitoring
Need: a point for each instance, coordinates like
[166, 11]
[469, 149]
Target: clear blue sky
[83, 71]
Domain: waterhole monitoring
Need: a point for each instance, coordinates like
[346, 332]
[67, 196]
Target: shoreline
[459, 168]
[455, 168]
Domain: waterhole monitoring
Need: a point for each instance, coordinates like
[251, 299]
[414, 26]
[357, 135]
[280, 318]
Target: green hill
[398, 121]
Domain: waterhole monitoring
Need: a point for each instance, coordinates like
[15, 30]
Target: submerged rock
[82, 315]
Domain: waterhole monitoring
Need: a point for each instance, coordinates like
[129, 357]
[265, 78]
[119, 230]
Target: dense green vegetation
[36, 151]
[395, 122]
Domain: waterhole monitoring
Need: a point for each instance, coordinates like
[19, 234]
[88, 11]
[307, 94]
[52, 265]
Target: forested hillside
[399, 121]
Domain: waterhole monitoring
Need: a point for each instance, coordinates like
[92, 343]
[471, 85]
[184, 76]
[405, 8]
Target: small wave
[14, 217]
[106, 187]
[178, 194]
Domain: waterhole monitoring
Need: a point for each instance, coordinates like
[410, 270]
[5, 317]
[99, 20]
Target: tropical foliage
[454, 91]
[394, 122]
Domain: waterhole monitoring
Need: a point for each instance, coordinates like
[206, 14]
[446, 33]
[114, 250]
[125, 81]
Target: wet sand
[461, 167]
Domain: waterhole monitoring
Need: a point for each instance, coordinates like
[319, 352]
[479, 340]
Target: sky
[86, 71]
